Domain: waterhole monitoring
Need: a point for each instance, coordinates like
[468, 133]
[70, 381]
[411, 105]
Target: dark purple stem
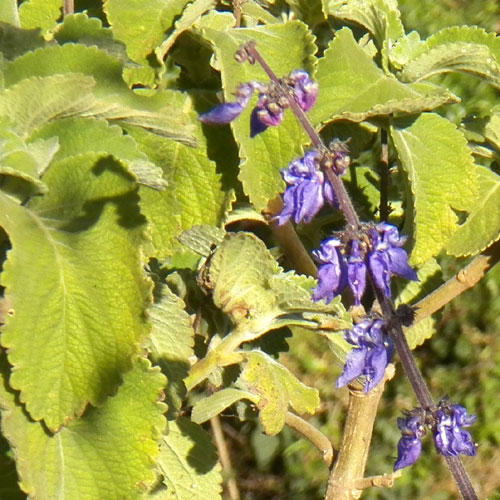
[394, 323]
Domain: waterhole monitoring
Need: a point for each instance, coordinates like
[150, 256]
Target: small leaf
[353, 87]
[188, 463]
[209, 407]
[41, 14]
[289, 46]
[107, 453]
[238, 273]
[68, 248]
[201, 239]
[277, 388]
[467, 48]
[171, 341]
[482, 227]
[15, 41]
[442, 176]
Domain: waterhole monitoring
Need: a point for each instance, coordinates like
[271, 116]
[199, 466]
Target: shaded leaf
[188, 463]
[171, 341]
[107, 453]
[482, 227]
[442, 177]
[68, 248]
[353, 87]
[15, 41]
[277, 388]
[289, 46]
[209, 407]
[81, 135]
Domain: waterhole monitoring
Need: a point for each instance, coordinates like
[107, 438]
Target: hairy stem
[350, 464]
[384, 176]
[466, 278]
[314, 435]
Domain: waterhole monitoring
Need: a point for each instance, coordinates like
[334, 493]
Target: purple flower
[332, 274]
[307, 190]
[449, 438]
[305, 90]
[380, 253]
[370, 356]
[228, 111]
[446, 421]
[409, 446]
[271, 103]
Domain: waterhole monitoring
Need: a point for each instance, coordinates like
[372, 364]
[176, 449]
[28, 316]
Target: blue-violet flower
[307, 190]
[446, 422]
[270, 104]
[371, 353]
[380, 254]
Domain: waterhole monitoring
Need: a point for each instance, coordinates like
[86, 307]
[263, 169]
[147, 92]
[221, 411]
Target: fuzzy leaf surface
[188, 463]
[482, 227]
[41, 14]
[171, 341]
[163, 113]
[209, 407]
[289, 46]
[442, 177]
[278, 389]
[81, 135]
[68, 345]
[107, 453]
[467, 48]
[353, 87]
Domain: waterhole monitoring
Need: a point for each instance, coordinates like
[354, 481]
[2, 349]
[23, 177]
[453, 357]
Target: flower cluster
[371, 353]
[446, 423]
[307, 190]
[378, 250]
[271, 102]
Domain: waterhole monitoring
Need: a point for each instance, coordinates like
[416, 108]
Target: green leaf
[107, 453]
[164, 112]
[353, 87]
[67, 345]
[287, 46]
[26, 161]
[15, 41]
[82, 135]
[209, 407]
[171, 341]
[256, 12]
[442, 176]
[201, 239]
[467, 48]
[482, 227]
[35, 101]
[188, 463]
[380, 17]
[194, 196]
[41, 14]
[278, 389]
[238, 275]
[190, 16]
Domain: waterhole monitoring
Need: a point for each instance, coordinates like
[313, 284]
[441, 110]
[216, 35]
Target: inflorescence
[372, 251]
